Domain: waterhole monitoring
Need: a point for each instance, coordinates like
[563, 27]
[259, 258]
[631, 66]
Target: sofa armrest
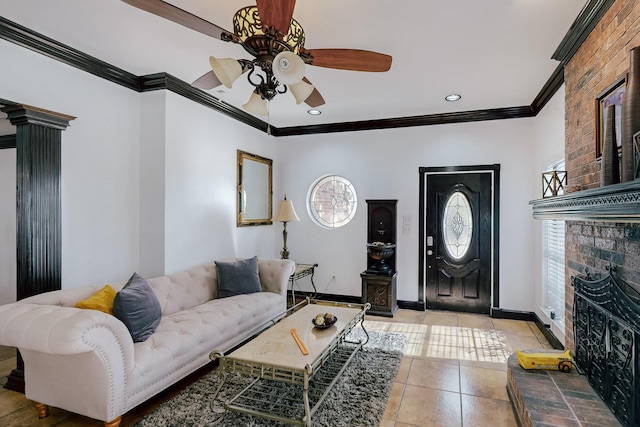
[66, 330]
[274, 275]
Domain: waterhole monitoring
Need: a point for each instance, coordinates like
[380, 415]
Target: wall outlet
[406, 224]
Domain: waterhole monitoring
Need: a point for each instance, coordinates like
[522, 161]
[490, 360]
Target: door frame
[423, 173]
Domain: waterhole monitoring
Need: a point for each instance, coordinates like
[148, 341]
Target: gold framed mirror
[253, 201]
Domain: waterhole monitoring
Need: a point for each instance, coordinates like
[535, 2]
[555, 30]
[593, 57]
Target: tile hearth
[553, 398]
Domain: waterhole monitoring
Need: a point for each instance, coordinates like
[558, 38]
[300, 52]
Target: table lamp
[285, 213]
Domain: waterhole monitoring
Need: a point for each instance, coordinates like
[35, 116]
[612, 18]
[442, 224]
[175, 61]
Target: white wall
[200, 180]
[549, 148]
[384, 164]
[122, 198]
[8, 265]
[100, 157]
[148, 180]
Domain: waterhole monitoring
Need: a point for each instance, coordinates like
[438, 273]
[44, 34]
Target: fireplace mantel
[613, 203]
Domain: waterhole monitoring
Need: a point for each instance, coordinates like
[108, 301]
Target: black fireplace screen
[606, 326]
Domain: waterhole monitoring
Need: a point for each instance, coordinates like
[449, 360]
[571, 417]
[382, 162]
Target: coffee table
[273, 358]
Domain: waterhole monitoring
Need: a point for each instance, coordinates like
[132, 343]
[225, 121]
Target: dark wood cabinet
[380, 291]
[379, 279]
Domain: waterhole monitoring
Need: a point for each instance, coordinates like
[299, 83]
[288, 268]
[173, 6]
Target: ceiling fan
[276, 41]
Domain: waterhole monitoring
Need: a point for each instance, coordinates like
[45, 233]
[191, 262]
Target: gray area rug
[359, 398]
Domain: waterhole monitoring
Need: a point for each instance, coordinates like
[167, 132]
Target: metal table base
[289, 395]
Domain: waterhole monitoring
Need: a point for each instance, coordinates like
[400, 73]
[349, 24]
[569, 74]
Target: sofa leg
[43, 410]
[113, 423]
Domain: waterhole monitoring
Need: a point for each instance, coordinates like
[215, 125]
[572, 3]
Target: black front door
[458, 242]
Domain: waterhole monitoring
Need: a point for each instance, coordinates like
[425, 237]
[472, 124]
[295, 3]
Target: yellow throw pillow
[101, 300]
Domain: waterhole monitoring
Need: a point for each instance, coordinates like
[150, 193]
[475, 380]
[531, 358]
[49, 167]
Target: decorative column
[38, 206]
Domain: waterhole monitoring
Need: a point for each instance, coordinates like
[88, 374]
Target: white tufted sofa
[85, 361]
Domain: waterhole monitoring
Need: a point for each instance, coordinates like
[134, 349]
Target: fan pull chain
[269, 118]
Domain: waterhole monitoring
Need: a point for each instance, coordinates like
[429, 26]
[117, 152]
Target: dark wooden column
[38, 206]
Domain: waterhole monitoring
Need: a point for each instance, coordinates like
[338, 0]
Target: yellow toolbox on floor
[557, 360]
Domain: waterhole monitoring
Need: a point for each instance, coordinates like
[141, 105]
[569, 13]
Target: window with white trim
[553, 280]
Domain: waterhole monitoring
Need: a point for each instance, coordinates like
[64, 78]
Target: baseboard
[545, 328]
[412, 305]
[529, 316]
[500, 313]
[349, 299]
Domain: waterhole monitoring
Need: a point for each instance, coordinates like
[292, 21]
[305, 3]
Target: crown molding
[23, 36]
[401, 122]
[164, 81]
[32, 40]
[586, 21]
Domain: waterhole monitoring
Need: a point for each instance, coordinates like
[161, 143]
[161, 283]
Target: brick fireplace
[602, 59]
[602, 223]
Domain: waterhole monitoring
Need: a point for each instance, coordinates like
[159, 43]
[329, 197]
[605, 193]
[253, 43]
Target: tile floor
[453, 373]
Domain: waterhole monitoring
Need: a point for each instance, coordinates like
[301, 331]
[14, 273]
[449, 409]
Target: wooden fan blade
[276, 13]
[350, 59]
[179, 16]
[207, 81]
[315, 99]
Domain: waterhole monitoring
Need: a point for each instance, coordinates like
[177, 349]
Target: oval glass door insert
[457, 225]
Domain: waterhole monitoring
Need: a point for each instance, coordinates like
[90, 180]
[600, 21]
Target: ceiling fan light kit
[301, 91]
[269, 33]
[256, 104]
[227, 70]
[288, 68]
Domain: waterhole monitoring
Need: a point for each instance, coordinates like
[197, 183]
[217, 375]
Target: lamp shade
[286, 212]
[301, 90]
[288, 68]
[256, 105]
[227, 70]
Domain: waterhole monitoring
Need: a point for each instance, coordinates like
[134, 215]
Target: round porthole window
[332, 201]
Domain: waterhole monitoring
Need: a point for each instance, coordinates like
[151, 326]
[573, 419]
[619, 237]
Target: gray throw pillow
[137, 306]
[238, 277]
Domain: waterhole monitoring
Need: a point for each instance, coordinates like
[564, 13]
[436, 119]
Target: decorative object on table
[630, 115]
[610, 167]
[636, 151]
[380, 252]
[324, 320]
[301, 345]
[553, 183]
[268, 32]
[286, 213]
[612, 95]
[379, 279]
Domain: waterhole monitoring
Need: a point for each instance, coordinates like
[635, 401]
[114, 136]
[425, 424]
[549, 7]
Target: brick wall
[601, 60]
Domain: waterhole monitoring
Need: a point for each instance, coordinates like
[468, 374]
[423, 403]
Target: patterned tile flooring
[453, 373]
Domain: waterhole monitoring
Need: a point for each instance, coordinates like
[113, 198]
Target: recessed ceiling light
[314, 112]
[453, 97]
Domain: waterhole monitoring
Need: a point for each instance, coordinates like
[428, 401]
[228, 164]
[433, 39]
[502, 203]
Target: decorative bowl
[326, 325]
